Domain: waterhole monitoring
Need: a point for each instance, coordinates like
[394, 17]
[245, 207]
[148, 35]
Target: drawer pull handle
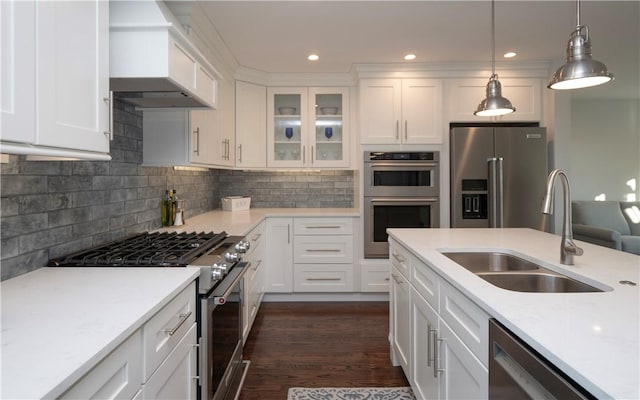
[183, 318]
[323, 279]
[323, 227]
[323, 250]
[398, 257]
[256, 237]
[395, 278]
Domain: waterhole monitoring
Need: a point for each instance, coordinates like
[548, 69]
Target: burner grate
[166, 249]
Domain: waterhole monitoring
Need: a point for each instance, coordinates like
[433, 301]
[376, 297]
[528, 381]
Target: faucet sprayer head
[547, 203]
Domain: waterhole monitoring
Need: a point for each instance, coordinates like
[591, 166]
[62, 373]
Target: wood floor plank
[316, 345]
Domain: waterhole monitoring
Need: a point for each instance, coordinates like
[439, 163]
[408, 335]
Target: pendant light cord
[578, 14]
[493, 39]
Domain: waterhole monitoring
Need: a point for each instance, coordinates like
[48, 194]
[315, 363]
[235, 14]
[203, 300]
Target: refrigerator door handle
[500, 194]
[493, 201]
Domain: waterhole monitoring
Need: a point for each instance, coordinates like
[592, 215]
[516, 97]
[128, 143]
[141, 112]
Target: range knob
[243, 246]
[232, 257]
[216, 274]
[222, 267]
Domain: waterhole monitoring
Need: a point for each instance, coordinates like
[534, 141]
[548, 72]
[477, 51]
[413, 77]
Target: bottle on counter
[174, 206]
[166, 209]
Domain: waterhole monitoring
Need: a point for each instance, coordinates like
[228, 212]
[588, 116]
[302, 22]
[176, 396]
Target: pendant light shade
[494, 104]
[580, 70]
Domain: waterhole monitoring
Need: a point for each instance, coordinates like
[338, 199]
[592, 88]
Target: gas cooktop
[166, 249]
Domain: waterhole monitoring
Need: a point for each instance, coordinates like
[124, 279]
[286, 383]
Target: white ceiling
[277, 36]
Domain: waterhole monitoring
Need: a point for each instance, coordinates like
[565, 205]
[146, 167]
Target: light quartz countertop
[58, 323]
[241, 222]
[592, 337]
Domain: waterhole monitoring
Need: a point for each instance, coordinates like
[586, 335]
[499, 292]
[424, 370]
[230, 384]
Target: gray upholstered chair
[612, 224]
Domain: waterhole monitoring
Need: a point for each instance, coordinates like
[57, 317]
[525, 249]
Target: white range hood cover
[145, 68]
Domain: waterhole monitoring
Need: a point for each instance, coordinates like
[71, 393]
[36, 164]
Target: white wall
[605, 148]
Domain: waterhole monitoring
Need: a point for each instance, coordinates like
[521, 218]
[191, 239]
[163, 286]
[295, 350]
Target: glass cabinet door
[287, 127]
[287, 141]
[329, 127]
[307, 127]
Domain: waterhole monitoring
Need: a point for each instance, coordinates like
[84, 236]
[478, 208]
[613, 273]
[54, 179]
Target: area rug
[356, 393]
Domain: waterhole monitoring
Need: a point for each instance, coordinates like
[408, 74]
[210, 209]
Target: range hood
[153, 62]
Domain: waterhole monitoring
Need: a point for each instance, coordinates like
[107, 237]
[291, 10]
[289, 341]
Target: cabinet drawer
[427, 283]
[323, 278]
[118, 376]
[469, 322]
[401, 259]
[255, 239]
[323, 249]
[323, 226]
[374, 279]
[176, 377]
[165, 329]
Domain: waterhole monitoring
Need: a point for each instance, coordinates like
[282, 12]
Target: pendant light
[580, 70]
[494, 104]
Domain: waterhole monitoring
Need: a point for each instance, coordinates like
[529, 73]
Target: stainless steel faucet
[567, 248]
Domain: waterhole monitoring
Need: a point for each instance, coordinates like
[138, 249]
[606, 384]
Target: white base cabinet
[253, 290]
[279, 255]
[158, 361]
[400, 321]
[447, 354]
[309, 255]
[176, 378]
[323, 255]
[118, 376]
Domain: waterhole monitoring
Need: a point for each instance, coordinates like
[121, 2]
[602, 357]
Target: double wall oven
[401, 190]
[219, 258]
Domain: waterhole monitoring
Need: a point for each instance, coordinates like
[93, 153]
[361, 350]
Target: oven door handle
[398, 164]
[220, 293]
[404, 200]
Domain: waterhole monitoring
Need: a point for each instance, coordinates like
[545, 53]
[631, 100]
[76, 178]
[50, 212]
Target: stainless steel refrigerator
[498, 177]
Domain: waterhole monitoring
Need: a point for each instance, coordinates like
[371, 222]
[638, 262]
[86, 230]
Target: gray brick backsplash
[53, 208]
[45, 238]
[69, 216]
[21, 184]
[23, 224]
[26, 262]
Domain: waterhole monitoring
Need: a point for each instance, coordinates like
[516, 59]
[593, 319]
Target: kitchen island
[592, 337]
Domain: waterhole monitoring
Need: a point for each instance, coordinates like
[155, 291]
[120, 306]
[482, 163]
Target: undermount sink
[538, 282]
[511, 272]
[490, 261]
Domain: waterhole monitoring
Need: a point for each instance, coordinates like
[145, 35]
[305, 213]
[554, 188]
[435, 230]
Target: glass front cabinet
[308, 127]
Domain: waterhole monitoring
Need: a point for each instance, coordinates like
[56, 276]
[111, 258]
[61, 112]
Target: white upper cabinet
[180, 137]
[55, 78]
[466, 94]
[308, 127]
[397, 111]
[251, 125]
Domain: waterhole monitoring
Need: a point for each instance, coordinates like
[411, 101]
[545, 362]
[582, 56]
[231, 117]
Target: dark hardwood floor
[316, 345]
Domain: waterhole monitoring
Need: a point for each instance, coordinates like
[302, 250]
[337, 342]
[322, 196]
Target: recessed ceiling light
[313, 57]
[510, 54]
[410, 57]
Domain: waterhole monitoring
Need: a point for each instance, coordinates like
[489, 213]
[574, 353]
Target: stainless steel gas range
[219, 257]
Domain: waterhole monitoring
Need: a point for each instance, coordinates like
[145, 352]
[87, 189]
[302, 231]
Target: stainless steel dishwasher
[517, 372]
